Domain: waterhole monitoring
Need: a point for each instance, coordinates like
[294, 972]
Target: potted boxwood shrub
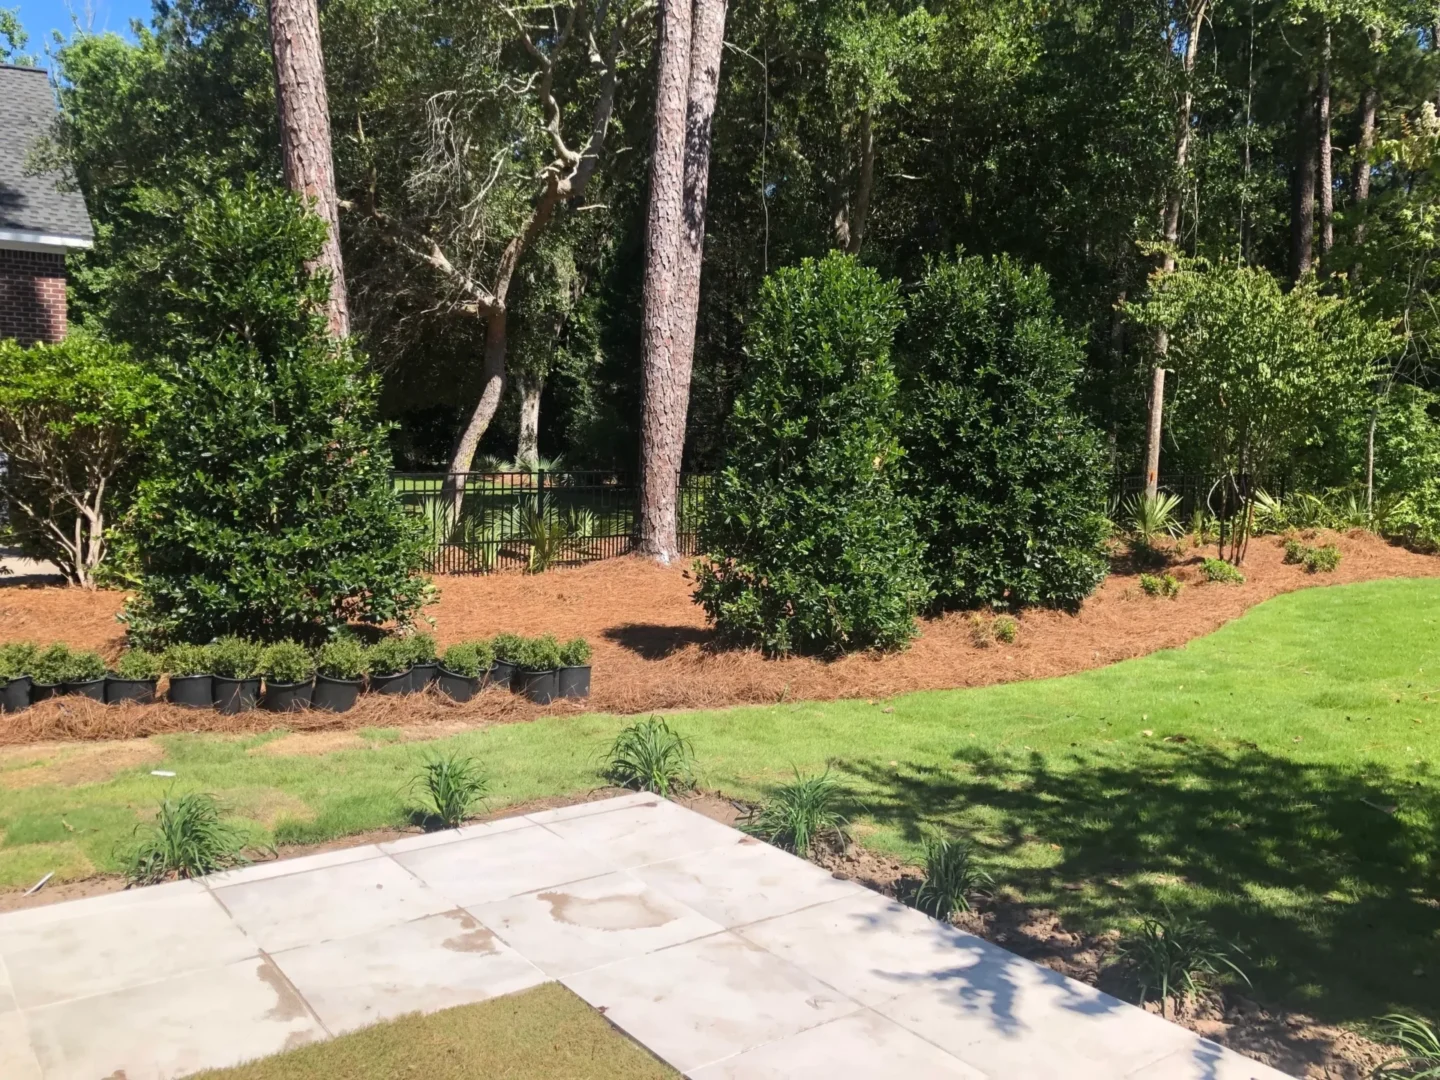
[288, 669]
[464, 668]
[388, 665]
[339, 674]
[190, 671]
[505, 647]
[424, 668]
[85, 674]
[16, 660]
[235, 674]
[49, 668]
[574, 677]
[134, 678]
[537, 670]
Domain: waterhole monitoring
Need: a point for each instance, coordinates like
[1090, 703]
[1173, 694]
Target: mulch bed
[653, 650]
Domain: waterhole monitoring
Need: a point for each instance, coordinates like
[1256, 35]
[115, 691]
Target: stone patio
[727, 958]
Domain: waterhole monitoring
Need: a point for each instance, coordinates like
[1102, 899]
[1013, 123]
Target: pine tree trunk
[1325, 180]
[1302, 191]
[1365, 141]
[527, 450]
[866, 186]
[305, 135]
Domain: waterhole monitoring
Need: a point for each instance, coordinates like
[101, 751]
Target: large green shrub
[1008, 479]
[269, 510]
[810, 547]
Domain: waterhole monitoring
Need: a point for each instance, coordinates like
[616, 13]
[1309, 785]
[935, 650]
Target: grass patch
[1275, 780]
[542, 1034]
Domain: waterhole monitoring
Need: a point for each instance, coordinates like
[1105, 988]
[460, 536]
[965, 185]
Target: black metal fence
[478, 522]
[1197, 491]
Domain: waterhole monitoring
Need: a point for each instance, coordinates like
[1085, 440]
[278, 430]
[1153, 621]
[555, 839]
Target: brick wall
[32, 296]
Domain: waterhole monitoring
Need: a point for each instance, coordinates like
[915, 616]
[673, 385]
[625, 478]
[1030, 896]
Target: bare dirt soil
[654, 651]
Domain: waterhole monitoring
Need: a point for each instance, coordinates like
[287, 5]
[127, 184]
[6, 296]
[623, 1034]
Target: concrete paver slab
[585, 809]
[647, 832]
[746, 881]
[569, 928]
[889, 949]
[449, 836]
[433, 963]
[1207, 1061]
[109, 942]
[506, 864]
[7, 995]
[207, 1019]
[273, 868]
[861, 1046]
[335, 902]
[17, 1059]
[707, 1000]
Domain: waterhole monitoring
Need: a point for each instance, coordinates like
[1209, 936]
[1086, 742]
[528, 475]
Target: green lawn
[1277, 776]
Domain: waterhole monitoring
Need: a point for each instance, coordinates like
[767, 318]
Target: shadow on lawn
[1336, 899]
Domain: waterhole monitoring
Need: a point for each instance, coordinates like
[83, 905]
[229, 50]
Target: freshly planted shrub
[982, 631]
[1151, 518]
[508, 646]
[650, 755]
[182, 660]
[17, 658]
[1007, 475]
[84, 665]
[419, 648]
[1295, 552]
[1221, 571]
[575, 653]
[343, 658]
[389, 656]
[188, 840]
[1419, 1046]
[453, 785]
[235, 658]
[1006, 629]
[468, 658]
[952, 877]
[1176, 956]
[286, 662]
[811, 544]
[801, 814]
[268, 510]
[51, 664]
[139, 664]
[1160, 585]
[1323, 559]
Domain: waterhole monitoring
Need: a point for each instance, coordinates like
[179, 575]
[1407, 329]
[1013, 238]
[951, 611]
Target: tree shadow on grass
[1335, 896]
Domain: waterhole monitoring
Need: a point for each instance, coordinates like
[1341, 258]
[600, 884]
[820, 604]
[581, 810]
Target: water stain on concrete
[474, 938]
[620, 912]
[288, 1004]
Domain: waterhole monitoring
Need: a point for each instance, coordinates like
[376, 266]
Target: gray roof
[29, 202]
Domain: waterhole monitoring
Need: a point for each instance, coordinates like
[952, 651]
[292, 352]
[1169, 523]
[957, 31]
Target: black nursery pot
[233, 696]
[94, 689]
[43, 691]
[458, 687]
[335, 695]
[541, 687]
[422, 675]
[575, 681]
[288, 696]
[140, 691]
[16, 695]
[502, 673]
[397, 682]
[192, 691]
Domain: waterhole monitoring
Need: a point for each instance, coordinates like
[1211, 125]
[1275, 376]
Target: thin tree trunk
[866, 186]
[1370, 461]
[1157, 414]
[305, 135]
[493, 387]
[1325, 180]
[527, 450]
[1302, 190]
[1365, 142]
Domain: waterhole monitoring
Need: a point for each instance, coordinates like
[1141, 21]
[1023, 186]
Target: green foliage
[17, 658]
[13, 39]
[51, 664]
[419, 648]
[269, 509]
[1149, 518]
[1006, 629]
[811, 547]
[1175, 957]
[83, 665]
[341, 658]
[286, 662]
[469, 658]
[72, 418]
[1415, 518]
[182, 659]
[1221, 571]
[453, 786]
[650, 755]
[1419, 1045]
[139, 664]
[575, 653]
[1166, 584]
[1323, 559]
[801, 814]
[538, 654]
[952, 877]
[1006, 474]
[235, 658]
[188, 840]
[508, 646]
[388, 656]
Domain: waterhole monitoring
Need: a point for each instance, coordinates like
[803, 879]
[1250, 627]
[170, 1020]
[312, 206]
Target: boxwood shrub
[287, 662]
[83, 665]
[51, 664]
[182, 660]
[343, 658]
[17, 658]
[575, 653]
[468, 658]
[235, 658]
[139, 664]
[389, 656]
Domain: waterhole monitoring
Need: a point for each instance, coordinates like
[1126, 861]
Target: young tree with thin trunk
[1302, 189]
[1325, 180]
[305, 135]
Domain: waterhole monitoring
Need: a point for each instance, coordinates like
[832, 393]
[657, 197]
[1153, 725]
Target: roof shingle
[32, 203]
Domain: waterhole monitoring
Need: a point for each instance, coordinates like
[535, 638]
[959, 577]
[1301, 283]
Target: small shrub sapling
[286, 662]
[1218, 570]
[235, 658]
[185, 660]
[575, 653]
[343, 658]
[139, 664]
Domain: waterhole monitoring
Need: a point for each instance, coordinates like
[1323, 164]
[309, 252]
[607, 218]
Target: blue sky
[39, 17]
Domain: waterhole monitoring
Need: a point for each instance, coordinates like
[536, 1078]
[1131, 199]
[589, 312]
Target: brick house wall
[32, 296]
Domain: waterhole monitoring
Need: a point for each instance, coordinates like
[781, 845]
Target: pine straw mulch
[653, 650]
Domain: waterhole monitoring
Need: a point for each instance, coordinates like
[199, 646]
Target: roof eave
[35, 240]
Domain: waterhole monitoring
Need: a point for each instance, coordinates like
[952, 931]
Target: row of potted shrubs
[233, 674]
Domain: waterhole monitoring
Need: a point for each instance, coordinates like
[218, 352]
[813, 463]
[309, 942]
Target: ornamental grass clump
[139, 664]
[952, 877]
[235, 658]
[1177, 957]
[802, 814]
[286, 662]
[1419, 1046]
[343, 658]
[189, 839]
[650, 755]
[453, 785]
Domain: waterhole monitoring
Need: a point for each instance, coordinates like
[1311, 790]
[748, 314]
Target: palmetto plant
[1176, 956]
[801, 813]
[1419, 1046]
[952, 877]
[649, 755]
[188, 839]
[1151, 517]
[545, 530]
[453, 785]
